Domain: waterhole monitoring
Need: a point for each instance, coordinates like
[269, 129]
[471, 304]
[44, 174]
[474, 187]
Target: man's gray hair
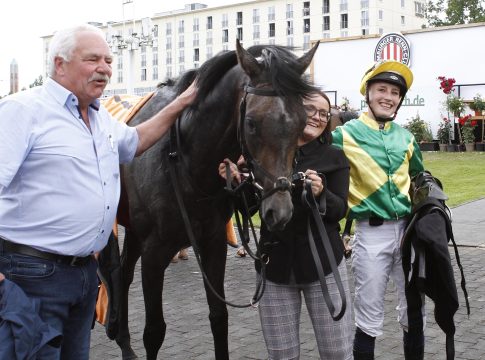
[64, 42]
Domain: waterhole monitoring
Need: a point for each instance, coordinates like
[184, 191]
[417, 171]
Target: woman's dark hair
[326, 137]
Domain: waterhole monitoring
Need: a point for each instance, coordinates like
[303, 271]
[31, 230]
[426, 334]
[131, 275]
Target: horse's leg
[129, 256]
[213, 256]
[153, 271]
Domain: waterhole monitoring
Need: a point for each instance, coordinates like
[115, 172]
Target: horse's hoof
[129, 355]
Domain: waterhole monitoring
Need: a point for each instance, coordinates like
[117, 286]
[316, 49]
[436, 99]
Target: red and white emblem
[393, 46]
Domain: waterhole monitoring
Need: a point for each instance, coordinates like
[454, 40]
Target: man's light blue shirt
[59, 182]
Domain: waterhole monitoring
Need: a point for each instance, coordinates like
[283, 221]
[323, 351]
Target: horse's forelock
[281, 64]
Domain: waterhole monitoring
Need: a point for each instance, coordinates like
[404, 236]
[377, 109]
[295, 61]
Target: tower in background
[14, 77]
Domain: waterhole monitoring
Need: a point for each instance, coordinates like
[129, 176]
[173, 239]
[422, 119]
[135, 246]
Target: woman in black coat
[291, 270]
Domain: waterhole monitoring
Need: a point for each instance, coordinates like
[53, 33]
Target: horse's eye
[250, 125]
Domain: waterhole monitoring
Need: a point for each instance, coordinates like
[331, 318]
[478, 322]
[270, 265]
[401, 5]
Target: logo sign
[393, 46]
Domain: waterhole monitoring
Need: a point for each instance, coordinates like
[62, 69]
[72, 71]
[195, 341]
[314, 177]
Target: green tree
[37, 82]
[453, 12]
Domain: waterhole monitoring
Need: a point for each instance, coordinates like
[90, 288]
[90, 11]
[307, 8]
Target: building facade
[170, 43]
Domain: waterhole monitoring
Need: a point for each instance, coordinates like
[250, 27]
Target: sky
[23, 22]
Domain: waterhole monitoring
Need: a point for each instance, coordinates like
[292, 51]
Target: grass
[461, 173]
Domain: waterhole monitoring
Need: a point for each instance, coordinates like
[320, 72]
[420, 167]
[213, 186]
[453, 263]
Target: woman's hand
[234, 171]
[317, 183]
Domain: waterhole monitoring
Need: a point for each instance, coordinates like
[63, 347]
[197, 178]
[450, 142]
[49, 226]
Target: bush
[420, 129]
[444, 130]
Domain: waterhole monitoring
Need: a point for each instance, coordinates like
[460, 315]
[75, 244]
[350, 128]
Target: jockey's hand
[317, 183]
[2, 277]
[235, 174]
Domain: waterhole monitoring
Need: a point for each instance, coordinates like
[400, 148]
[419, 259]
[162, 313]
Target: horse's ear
[247, 61]
[306, 59]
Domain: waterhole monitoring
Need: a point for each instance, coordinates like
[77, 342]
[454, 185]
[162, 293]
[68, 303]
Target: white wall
[457, 52]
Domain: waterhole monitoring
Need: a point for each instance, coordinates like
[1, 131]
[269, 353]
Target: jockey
[383, 158]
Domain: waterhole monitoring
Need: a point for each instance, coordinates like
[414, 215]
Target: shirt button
[107, 207]
[104, 183]
[102, 231]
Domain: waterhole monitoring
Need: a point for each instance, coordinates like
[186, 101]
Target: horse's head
[272, 118]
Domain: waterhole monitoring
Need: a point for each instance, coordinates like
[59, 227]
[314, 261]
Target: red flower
[446, 84]
[464, 119]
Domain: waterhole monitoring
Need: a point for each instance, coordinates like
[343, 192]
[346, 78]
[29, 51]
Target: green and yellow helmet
[389, 71]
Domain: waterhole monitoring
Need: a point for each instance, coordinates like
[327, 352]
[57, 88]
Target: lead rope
[309, 200]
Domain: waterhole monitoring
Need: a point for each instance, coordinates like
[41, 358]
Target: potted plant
[468, 131]
[478, 105]
[422, 133]
[455, 104]
[444, 132]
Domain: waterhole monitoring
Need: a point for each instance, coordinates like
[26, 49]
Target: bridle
[280, 183]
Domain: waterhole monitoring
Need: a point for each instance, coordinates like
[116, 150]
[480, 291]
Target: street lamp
[119, 42]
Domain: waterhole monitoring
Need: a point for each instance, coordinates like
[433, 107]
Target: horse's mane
[279, 62]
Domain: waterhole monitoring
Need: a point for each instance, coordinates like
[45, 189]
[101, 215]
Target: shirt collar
[308, 148]
[366, 119]
[64, 96]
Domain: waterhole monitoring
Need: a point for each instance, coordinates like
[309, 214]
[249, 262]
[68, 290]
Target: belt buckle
[74, 260]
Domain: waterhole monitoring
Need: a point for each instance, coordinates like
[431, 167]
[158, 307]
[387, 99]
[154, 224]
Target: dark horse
[208, 132]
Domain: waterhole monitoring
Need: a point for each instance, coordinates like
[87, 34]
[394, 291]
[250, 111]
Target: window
[271, 14]
[403, 20]
[155, 59]
[326, 6]
[169, 44]
[289, 41]
[344, 21]
[195, 27]
[364, 4]
[168, 29]
[181, 41]
[326, 23]
[196, 54]
[381, 15]
[255, 16]
[143, 60]
[225, 21]
[208, 39]
[181, 26]
[306, 42]
[120, 63]
[225, 36]
[155, 73]
[306, 25]
[155, 31]
[195, 41]
[381, 31]
[181, 68]
[365, 31]
[344, 34]
[419, 9]
[403, 3]
[209, 52]
[240, 33]
[271, 30]
[289, 11]
[343, 5]
[209, 22]
[364, 18]
[119, 78]
[256, 32]
[169, 58]
[143, 76]
[239, 18]
[169, 72]
[306, 8]
[181, 56]
[289, 27]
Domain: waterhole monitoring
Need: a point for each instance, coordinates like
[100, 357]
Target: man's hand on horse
[188, 96]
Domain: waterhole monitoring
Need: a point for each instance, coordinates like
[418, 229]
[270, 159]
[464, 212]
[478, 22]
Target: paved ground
[188, 331]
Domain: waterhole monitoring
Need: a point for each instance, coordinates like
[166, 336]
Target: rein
[308, 200]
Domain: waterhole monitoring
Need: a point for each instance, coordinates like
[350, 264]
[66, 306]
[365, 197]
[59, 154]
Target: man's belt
[21, 249]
